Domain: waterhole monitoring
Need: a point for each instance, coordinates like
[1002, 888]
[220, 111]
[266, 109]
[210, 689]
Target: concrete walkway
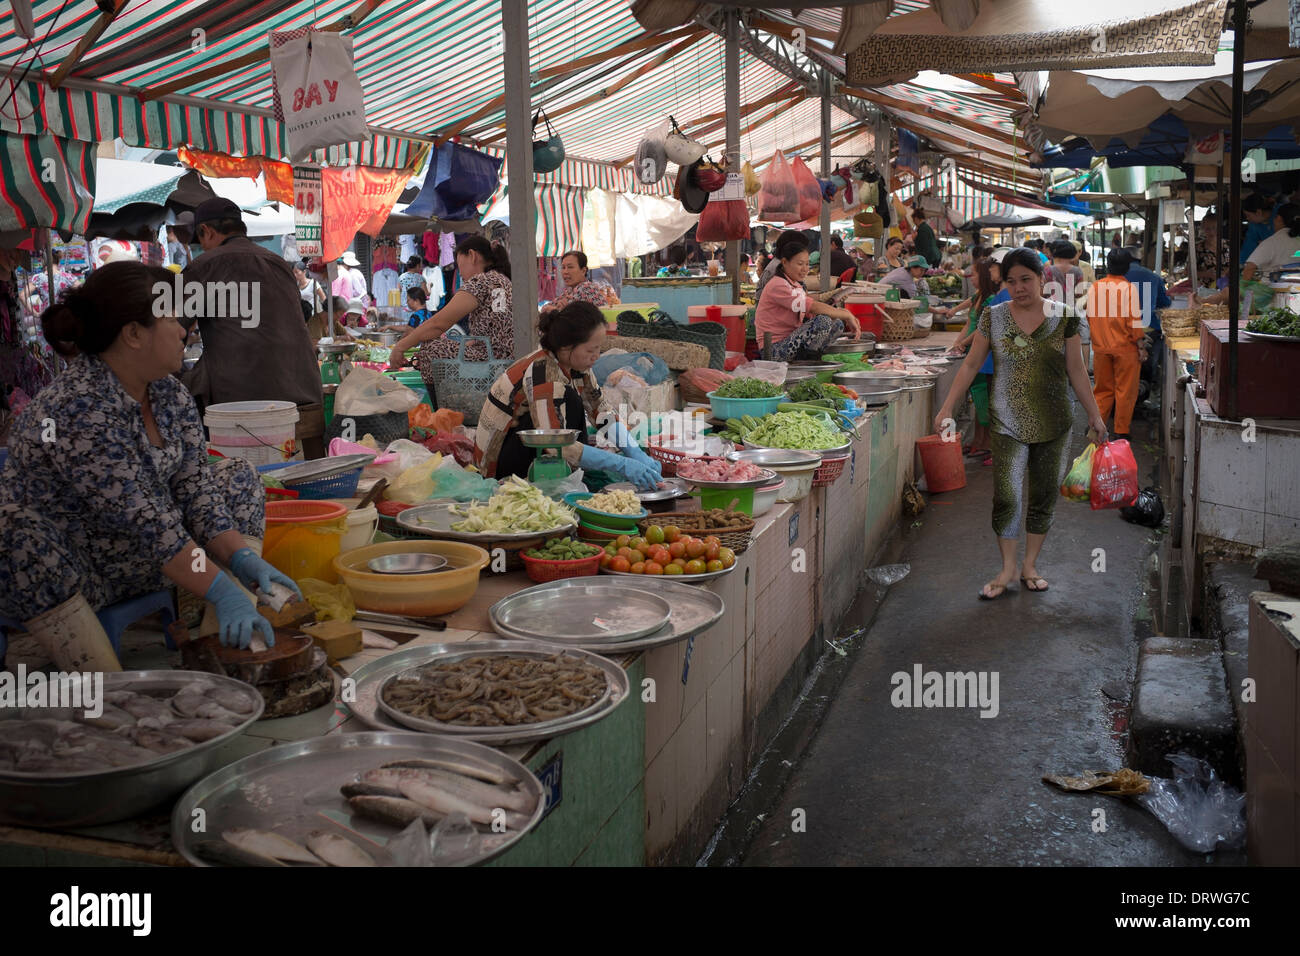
[886, 785]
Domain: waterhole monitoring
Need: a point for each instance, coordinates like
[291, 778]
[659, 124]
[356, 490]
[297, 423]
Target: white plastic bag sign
[316, 90]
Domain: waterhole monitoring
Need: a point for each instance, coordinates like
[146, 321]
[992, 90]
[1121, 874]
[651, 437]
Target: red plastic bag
[723, 220]
[810, 191]
[778, 200]
[1114, 476]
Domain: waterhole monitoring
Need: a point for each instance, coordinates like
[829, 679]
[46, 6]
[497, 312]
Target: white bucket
[261, 433]
[362, 524]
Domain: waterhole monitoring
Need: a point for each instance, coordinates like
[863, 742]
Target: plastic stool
[115, 619]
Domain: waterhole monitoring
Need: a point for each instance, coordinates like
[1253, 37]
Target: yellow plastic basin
[413, 594]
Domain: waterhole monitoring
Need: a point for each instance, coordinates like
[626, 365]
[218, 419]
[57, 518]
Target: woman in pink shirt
[798, 323]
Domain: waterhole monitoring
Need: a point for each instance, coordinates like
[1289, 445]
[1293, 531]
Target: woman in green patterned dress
[1036, 350]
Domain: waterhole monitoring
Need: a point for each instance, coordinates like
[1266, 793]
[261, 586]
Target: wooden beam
[680, 47]
[83, 46]
[718, 119]
[349, 22]
[631, 46]
[1003, 89]
[921, 109]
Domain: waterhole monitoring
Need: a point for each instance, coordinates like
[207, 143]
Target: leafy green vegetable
[748, 388]
[517, 506]
[811, 390]
[563, 549]
[1275, 322]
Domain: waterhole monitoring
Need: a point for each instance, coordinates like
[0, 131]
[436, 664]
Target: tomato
[727, 557]
[625, 552]
[611, 549]
[673, 568]
[715, 565]
[694, 548]
[712, 539]
[638, 568]
[620, 564]
[606, 560]
[654, 534]
[677, 549]
[654, 567]
[622, 541]
[671, 533]
[660, 554]
[712, 550]
[695, 566]
[639, 544]
[634, 556]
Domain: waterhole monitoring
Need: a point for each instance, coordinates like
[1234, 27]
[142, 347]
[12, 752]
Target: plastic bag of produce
[752, 183]
[773, 372]
[810, 191]
[778, 200]
[1114, 476]
[450, 480]
[332, 601]
[414, 485]
[1078, 480]
[368, 392]
[723, 219]
[650, 367]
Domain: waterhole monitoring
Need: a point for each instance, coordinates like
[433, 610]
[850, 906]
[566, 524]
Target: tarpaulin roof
[1164, 144]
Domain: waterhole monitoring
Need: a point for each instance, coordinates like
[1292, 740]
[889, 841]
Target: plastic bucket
[261, 433]
[413, 380]
[730, 316]
[868, 317]
[361, 525]
[942, 462]
[304, 537]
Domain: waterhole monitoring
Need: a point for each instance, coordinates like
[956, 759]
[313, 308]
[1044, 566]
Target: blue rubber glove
[254, 573]
[236, 614]
[644, 477]
[624, 440]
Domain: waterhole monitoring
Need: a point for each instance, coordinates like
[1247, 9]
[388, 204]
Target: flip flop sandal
[992, 597]
[1024, 582]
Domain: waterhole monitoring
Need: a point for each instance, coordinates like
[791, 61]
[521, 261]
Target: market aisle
[918, 786]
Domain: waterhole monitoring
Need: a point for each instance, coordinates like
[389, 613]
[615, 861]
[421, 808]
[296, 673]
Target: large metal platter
[435, 519]
[778, 457]
[923, 385]
[695, 610]
[294, 789]
[684, 578]
[595, 615]
[321, 468]
[370, 687]
[766, 478]
[89, 799]
[675, 488]
[547, 437]
[1269, 337]
[824, 452]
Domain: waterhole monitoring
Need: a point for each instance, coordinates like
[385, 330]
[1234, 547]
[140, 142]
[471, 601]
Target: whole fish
[336, 850]
[462, 767]
[394, 811]
[159, 741]
[227, 854]
[211, 710]
[198, 729]
[234, 700]
[142, 706]
[112, 718]
[270, 844]
[368, 790]
[444, 801]
[481, 793]
[190, 698]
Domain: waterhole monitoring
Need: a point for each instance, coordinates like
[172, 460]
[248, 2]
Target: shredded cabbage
[517, 506]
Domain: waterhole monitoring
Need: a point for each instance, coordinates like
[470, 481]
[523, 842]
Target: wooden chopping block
[339, 639]
[291, 615]
[290, 656]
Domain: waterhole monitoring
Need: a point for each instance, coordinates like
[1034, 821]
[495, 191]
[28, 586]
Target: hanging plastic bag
[1078, 480]
[810, 191]
[317, 96]
[548, 152]
[651, 159]
[778, 201]
[752, 183]
[723, 219]
[368, 392]
[1114, 476]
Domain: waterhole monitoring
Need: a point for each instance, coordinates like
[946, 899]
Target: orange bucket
[945, 470]
[304, 537]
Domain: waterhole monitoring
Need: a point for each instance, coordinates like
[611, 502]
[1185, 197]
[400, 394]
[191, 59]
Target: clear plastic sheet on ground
[1197, 807]
[887, 574]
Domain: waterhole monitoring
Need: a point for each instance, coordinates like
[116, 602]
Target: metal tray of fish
[436, 518]
[695, 610]
[292, 791]
[91, 798]
[375, 711]
[596, 615]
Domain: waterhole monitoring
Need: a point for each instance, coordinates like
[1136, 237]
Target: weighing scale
[549, 463]
[335, 361]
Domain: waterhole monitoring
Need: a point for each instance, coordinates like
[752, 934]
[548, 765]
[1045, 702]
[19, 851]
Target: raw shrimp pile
[719, 470]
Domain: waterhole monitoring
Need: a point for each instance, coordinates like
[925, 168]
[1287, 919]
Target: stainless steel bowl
[91, 799]
[850, 348]
[858, 380]
[548, 437]
[877, 395]
[776, 457]
[385, 338]
[409, 562]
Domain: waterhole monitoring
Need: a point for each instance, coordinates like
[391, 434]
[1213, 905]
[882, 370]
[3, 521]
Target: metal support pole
[731, 67]
[1159, 235]
[827, 92]
[1219, 204]
[1191, 226]
[49, 267]
[1234, 201]
[519, 175]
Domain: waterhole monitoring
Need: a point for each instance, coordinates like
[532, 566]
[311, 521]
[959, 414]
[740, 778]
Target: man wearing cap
[255, 344]
[351, 281]
[907, 275]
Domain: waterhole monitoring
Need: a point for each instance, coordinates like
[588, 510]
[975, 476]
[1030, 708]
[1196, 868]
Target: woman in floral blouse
[578, 287]
[108, 489]
[1036, 350]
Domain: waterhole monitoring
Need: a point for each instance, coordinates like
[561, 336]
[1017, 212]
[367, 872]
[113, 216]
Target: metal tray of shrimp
[695, 610]
[370, 679]
[616, 690]
[292, 790]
